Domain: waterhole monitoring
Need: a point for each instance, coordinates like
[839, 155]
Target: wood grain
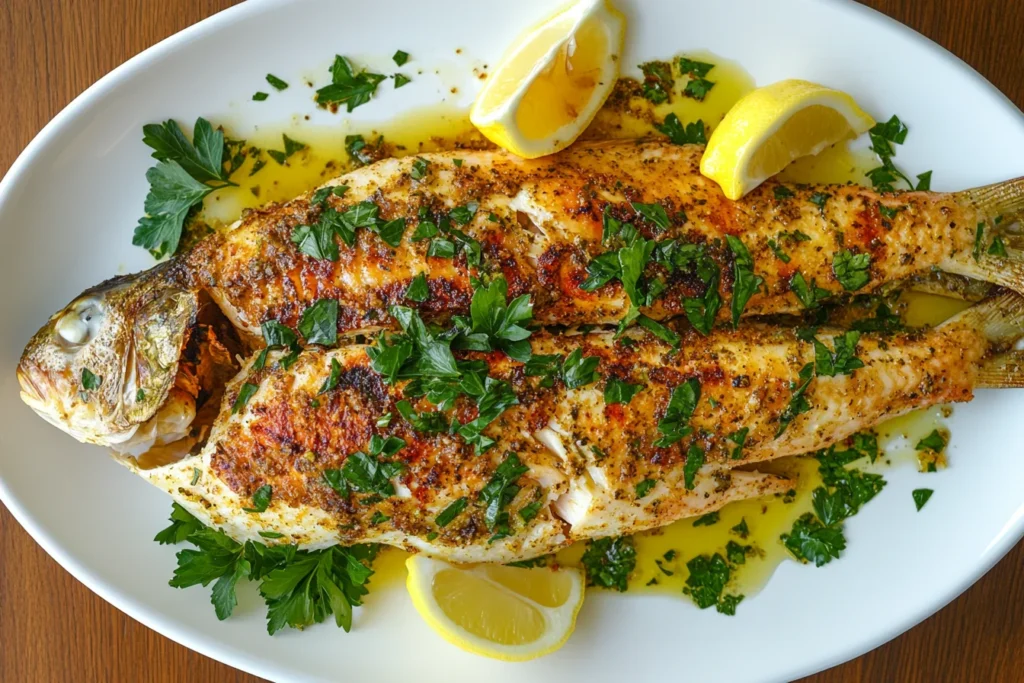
[52, 628]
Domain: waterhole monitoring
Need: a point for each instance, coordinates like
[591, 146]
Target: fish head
[104, 364]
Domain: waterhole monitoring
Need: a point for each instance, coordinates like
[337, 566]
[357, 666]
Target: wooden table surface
[52, 628]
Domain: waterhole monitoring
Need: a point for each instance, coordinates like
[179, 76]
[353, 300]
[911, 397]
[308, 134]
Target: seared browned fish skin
[586, 458]
[540, 223]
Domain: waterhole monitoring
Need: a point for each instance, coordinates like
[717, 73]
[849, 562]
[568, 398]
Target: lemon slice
[772, 126]
[551, 82]
[496, 611]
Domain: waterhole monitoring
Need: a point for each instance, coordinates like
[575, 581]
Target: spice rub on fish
[592, 234]
[592, 436]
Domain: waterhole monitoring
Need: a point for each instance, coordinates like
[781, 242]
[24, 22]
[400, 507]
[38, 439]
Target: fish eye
[81, 321]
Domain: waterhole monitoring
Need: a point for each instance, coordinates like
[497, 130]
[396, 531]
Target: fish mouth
[35, 390]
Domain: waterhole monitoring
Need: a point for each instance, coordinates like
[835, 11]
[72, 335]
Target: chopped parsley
[851, 270]
[499, 492]
[933, 442]
[694, 461]
[347, 87]
[259, 96]
[741, 529]
[737, 553]
[400, 80]
[418, 290]
[701, 311]
[698, 86]
[578, 371]
[617, 391]
[691, 134]
[332, 380]
[675, 424]
[819, 199]
[707, 579]
[419, 168]
[400, 57]
[244, 394]
[276, 82]
[261, 499]
[90, 380]
[658, 81]
[290, 148]
[739, 438]
[368, 472]
[809, 295]
[883, 137]
[495, 324]
[453, 510]
[798, 402]
[319, 322]
[745, 282]
[921, 497]
[707, 520]
[783, 192]
[608, 562]
[997, 248]
[655, 213]
[843, 362]
[644, 487]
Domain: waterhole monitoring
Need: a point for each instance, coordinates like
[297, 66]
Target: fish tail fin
[1005, 199]
[1000, 318]
[1002, 371]
[998, 254]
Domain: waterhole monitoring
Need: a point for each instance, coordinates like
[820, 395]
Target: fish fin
[1007, 271]
[1002, 371]
[999, 318]
[1004, 199]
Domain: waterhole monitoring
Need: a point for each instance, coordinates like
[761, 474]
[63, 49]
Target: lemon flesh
[501, 612]
[551, 83]
[771, 126]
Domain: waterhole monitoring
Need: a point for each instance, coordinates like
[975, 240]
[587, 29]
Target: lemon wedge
[771, 126]
[496, 611]
[552, 81]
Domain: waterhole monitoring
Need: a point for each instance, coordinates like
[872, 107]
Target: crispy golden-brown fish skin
[540, 223]
[586, 457]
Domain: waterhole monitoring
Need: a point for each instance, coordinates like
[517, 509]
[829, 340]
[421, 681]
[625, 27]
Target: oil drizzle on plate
[626, 115]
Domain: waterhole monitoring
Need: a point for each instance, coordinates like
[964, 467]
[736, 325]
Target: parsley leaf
[347, 87]
[418, 290]
[332, 380]
[809, 295]
[200, 159]
[933, 442]
[798, 402]
[811, 541]
[921, 497]
[702, 311]
[694, 461]
[745, 282]
[644, 487]
[366, 472]
[997, 248]
[707, 520]
[495, 325]
[698, 86]
[851, 270]
[843, 362]
[617, 391]
[658, 81]
[172, 195]
[244, 394]
[674, 425]
[454, 509]
[499, 492]
[578, 371]
[883, 137]
[261, 499]
[692, 134]
[90, 380]
[183, 525]
[655, 213]
[400, 57]
[608, 562]
[276, 82]
[319, 322]
[707, 579]
[739, 437]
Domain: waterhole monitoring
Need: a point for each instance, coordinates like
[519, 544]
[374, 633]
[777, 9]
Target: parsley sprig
[884, 177]
[300, 587]
[187, 172]
[348, 87]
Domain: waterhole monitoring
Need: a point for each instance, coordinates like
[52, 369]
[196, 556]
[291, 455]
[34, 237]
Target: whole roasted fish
[590, 437]
[599, 233]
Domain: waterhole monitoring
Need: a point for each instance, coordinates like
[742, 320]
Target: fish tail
[1000, 319]
[1001, 201]
[1002, 371]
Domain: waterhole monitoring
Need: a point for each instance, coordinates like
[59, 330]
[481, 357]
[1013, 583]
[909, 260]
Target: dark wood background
[52, 628]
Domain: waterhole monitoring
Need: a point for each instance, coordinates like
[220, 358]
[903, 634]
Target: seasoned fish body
[540, 223]
[592, 467]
